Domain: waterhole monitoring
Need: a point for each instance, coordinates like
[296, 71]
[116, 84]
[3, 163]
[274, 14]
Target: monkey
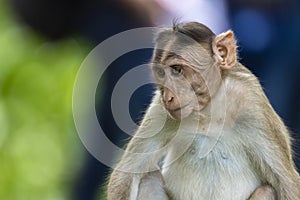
[152, 187]
[209, 132]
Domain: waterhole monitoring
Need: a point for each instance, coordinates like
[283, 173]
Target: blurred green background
[40, 151]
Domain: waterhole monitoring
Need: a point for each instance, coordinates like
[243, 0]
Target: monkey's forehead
[197, 31]
[190, 43]
[174, 50]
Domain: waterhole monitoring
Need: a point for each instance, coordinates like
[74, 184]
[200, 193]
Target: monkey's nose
[170, 99]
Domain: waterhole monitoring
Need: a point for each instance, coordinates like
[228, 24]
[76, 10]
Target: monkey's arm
[148, 187]
[270, 155]
[143, 153]
[265, 192]
[280, 173]
[152, 187]
[137, 173]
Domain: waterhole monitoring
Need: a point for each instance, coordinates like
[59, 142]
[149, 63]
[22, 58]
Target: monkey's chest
[221, 174]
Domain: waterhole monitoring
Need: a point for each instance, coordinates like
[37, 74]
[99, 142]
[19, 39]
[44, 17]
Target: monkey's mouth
[180, 112]
[179, 108]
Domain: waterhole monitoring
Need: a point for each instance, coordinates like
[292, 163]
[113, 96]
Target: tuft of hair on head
[175, 22]
[196, 31]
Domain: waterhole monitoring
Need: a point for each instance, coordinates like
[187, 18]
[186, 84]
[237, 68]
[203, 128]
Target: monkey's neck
[212, 119]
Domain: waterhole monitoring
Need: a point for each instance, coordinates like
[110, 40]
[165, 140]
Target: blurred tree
[96, 21]
[39, 149]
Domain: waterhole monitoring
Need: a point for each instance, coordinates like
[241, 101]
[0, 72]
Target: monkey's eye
[160, 72]
[176, 70]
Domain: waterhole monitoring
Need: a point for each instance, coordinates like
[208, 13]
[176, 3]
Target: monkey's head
[188, 63]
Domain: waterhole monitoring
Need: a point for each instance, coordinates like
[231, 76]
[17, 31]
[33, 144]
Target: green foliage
[39, 148]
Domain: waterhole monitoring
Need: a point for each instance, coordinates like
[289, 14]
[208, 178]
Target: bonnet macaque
[210, 132]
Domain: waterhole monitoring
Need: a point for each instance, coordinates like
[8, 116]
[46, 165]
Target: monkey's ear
[224, 48]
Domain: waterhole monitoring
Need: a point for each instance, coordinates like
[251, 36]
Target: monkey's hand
[152, 187]
[265, 192]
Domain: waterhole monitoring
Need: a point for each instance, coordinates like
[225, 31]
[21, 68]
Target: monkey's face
[183, 90]
[186, 70]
